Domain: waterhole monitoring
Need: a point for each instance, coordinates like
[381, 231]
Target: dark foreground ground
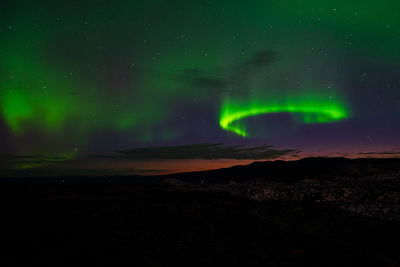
[170, 222]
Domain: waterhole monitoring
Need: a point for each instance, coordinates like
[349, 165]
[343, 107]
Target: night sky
[98, 87]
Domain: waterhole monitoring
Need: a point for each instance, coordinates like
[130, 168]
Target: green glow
[130, 68]
[309, 108]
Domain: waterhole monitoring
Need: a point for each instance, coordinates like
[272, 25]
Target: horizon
[113, 165]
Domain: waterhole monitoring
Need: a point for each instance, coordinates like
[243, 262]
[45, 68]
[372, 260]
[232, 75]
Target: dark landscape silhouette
[310, 212]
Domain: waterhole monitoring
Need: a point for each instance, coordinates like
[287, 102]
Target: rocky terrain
[377, 196]
[206, 219]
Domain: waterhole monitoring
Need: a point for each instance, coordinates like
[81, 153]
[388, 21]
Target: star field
[79, 78]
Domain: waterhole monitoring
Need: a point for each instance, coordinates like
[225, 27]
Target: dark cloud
[197, 78]
[394, 153]
[202, 151]
[29, 161]
[59, 166]
[262, 58]
[256, 63]
[209, 82]
[242, 73]
[70, 172]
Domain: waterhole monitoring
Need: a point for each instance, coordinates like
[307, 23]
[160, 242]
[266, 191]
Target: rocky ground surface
[376, 196]
[170, 222]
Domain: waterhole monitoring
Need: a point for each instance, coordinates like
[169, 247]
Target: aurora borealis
[95, 77]
[311, 110]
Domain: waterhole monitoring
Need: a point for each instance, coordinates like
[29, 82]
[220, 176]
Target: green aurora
[104, 75]
[308, 108]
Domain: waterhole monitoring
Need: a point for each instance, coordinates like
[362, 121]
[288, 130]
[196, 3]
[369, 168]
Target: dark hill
[313, 168]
